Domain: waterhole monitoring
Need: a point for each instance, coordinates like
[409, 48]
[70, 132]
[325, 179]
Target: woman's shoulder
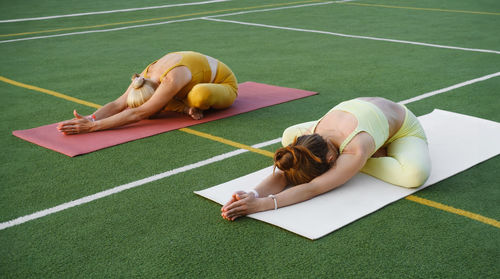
[337, 120]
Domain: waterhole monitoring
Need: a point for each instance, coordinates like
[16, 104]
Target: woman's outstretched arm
[113, 107]
[69, 127]
[163, 94]
[347, 165]
[243, 203]
[114, 114]
[246, 202]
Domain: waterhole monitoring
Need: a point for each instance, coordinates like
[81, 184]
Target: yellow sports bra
[197, 64]
[370, 119]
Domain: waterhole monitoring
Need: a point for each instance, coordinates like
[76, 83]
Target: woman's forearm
[272, 184]
[345, 168]
[295, 195]
[120, 119]
[108, 110]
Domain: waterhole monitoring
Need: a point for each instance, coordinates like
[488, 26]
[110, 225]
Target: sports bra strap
[147, 69]
[164, 73]
[169, 69]
[348, 139]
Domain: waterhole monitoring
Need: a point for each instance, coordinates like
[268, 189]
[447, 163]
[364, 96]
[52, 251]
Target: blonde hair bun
[137, 81]
[142, 90]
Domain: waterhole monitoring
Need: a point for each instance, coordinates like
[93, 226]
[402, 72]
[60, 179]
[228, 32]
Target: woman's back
[346, 122]
[394, 112]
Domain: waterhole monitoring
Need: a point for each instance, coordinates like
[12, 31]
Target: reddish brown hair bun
[303, 160]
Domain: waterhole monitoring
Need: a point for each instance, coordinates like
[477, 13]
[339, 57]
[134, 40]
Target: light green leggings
[407, 163]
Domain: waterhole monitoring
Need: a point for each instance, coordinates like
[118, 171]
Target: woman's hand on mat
[241, 204]
[77, 125]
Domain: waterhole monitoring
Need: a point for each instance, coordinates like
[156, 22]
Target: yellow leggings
[407, 163]
[218, 95]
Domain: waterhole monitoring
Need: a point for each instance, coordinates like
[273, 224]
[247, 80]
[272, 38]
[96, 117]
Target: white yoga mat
[456, 143]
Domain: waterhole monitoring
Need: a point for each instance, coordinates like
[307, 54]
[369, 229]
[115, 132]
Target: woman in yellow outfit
[184, 81]
[372, 135]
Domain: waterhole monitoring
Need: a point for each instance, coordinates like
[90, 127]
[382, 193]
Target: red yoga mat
[251, 96]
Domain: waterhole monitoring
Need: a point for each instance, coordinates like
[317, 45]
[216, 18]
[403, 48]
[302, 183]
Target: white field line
[155, 24]
[98, 31]
[221, 157]
[127, 186]
[213, 18]
[281, 8]
[112, 11]
[436, 92]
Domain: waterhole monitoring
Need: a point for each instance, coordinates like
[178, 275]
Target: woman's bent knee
[217, 96]
[401, 173]
[199, 97]
[412, 153]
[414, 176]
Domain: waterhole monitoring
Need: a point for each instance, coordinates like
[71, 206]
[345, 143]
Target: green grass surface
[161, 229]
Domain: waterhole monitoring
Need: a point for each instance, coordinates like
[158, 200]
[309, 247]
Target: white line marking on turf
[127, 186]
[147, 25]
[99, 31]
[113, 11]
[213, 18]
[221, 157]
[279, 8]
[436, 92]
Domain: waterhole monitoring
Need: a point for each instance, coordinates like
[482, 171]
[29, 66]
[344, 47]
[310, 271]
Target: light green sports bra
[370, 120]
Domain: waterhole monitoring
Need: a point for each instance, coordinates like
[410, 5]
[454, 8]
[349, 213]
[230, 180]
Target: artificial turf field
[161, 229]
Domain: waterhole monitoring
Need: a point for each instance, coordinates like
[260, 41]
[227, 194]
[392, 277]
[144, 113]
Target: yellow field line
[453, 210]
[228, 142]
[237, 9]
[155, 19]
[50, 92]
[89, 104]
[421, 9]
[413, 198]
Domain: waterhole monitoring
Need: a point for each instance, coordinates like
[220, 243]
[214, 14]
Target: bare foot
[195, 113]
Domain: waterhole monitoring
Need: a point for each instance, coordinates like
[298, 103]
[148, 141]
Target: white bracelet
[275, 202]
[256, 195]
